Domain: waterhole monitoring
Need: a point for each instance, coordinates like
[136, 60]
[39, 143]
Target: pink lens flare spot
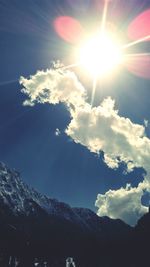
[140, 26]
[139, 65]
[69, 29]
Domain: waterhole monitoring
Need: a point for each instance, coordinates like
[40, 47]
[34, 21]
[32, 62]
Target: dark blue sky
[55, 165]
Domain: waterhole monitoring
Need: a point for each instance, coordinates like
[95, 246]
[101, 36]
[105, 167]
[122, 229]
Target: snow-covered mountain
[20, 198]
[32, 224]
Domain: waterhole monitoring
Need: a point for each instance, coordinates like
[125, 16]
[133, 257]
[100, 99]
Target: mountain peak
[32, 223]
[20, 198]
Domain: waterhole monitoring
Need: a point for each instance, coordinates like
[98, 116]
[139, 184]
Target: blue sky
[56, 165]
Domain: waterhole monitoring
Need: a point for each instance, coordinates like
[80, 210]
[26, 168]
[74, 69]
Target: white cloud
[124, 203]
[99, 129]
[146, 123]
[57, 132]
[54, 86]
[102, 129]
[28, 102]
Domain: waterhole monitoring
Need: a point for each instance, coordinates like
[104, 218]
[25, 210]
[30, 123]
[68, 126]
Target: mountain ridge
[14, 192]
[33, 226]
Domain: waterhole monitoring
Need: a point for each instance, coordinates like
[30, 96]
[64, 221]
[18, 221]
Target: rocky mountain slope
[33, 225]
[21, 199]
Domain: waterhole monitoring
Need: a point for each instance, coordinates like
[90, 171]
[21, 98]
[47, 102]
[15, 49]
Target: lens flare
[140, 26]
[102, 53]
[69, 29]
[139, 64]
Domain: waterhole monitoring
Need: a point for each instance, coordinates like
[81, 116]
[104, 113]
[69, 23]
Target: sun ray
[137, 55]
[93, 90]
[8, 82]
[136, 42]
[68, 66]
[104, 16]
[12, 121]
[72, 66]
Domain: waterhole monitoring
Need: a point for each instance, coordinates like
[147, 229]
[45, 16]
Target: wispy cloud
[98, 128]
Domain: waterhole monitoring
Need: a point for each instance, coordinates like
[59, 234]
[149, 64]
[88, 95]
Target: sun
[100, 54]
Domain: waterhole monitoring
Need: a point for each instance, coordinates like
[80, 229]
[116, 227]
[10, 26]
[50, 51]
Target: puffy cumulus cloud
[124, 203]
[102, 129]
[53, 86]
[99, 129]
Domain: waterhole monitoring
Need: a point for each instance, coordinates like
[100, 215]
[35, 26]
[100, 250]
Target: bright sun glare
[103, 52]
[100, 55]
